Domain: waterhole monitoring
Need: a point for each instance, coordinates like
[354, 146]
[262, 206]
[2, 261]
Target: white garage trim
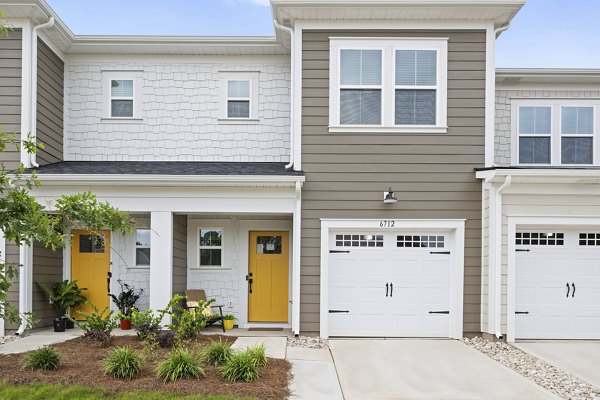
[454, 226]
[538, 221]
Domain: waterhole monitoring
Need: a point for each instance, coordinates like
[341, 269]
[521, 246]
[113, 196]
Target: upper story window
[239, 97]
[121, 98]
[121, 91]
[555, 132]
[388, 85]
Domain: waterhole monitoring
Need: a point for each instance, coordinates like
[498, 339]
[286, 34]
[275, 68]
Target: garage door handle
[386, 289]
[391, 290]
[568, 289]
[573, 285]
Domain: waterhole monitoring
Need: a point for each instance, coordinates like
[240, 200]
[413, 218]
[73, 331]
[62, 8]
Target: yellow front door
[90, 265]
[268, 277]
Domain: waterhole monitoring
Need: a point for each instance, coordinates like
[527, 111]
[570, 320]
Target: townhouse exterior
[257, 169]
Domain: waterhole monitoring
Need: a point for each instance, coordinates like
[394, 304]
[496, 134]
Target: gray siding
[432, 175]
[47, 269]
[12, 257]
[10, 93]
[179, 254]
[50, 101]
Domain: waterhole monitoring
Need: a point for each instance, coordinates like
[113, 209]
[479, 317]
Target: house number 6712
[387, 223]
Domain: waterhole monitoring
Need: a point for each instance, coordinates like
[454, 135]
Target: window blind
[416, 67]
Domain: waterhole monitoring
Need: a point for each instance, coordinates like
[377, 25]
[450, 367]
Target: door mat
[265, 329]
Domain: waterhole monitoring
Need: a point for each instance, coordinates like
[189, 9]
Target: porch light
[389, 197]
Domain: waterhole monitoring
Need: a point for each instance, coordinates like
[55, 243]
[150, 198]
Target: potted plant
[228, 321]
[125, 302]
[64, 295]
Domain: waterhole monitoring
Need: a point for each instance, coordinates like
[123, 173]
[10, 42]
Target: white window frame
[556, 129]
[135, 245]
[200, 248]
[252, 78]
[388, 46]
[107, 78]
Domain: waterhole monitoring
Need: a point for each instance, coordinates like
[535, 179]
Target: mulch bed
[81, 364]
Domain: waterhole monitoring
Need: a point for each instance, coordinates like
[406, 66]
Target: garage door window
[420, 241]
[359, 240]
[540, 239]
[589, 239]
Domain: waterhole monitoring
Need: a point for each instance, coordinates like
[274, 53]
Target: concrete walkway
[425, 369]
[315, 377]
[39, 339]
[578, 357]
[275, 346]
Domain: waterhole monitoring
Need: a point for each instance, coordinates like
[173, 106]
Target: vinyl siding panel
[47, 269]
[432, 174]
[10, 93]
[179, 254]
[50, 101]
[12, 257]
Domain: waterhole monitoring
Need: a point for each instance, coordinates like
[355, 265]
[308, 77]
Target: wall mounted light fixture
[389, 197]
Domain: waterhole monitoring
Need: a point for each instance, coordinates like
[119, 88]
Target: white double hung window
[388, 85]
[121, 98]
[238, 99]
[122, 94]
[555, 132]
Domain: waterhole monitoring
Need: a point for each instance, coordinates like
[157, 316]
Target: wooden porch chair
[193, 296]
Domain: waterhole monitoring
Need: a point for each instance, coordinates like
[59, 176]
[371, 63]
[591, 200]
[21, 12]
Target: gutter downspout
[25, 254]
[498, 257]
[33, 94]
[292, 90]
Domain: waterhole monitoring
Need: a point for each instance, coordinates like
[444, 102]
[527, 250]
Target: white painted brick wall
[502, 142]
[180, 109]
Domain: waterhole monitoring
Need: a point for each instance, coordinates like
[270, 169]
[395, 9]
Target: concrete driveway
[425, 369]
[580, 358]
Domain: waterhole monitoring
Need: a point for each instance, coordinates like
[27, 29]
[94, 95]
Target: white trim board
[512, 224]
[456, 226]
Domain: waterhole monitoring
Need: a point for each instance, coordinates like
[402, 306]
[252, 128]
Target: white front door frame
[262, 225]
[455, 226]
[515, 222]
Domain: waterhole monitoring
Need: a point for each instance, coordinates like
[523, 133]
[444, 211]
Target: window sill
[210, 269]
[139, 267]
[388, 129]
[238, 121]
[122, 120]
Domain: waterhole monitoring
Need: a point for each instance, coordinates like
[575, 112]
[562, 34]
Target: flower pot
[125, 324]
[59, 325]
[228, 324]
[68, 323]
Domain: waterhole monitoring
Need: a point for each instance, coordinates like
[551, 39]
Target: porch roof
[182, 168]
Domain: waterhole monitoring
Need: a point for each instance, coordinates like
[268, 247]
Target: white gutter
[296, 261]
[292, 90]
[498, 258]
[498, 31]
[33, 88]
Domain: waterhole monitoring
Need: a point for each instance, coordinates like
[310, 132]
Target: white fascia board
[490, 95]
[568, 175]
[375, 24]
[170, 180]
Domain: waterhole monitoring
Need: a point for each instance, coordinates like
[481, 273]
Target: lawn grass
[58, 392]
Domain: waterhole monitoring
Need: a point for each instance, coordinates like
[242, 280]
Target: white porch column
[296, 261]
[161, 260]
[3, 260]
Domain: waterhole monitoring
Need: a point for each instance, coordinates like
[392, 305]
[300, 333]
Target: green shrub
[123, 363]
[259, 354]
[148, 323]
[97, 325]
[217, 353]
[46, 358]
[165, 338]
[180, 364]
[240, 367]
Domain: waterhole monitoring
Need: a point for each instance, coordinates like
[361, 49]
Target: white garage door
[557, 285]
[389, 285]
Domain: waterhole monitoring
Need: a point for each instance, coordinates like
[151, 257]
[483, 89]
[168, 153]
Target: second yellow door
[90, 265]
[268, 277]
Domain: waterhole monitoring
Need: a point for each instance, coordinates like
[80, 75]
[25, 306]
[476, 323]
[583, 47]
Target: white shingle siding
[502, 142]
[181, 104]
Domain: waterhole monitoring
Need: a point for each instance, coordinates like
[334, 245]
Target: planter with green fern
[64, 295]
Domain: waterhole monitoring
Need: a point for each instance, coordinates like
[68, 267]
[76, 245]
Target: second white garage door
[557, 284]
[389, 284]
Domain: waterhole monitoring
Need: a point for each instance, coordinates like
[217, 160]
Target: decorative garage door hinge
[439, 252]
[339, 311]
[439, 312]
[524, 250]
[521, 312]
[339, 251]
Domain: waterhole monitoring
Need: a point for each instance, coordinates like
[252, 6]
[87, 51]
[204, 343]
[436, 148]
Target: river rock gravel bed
[308, 342]
[542, 373]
